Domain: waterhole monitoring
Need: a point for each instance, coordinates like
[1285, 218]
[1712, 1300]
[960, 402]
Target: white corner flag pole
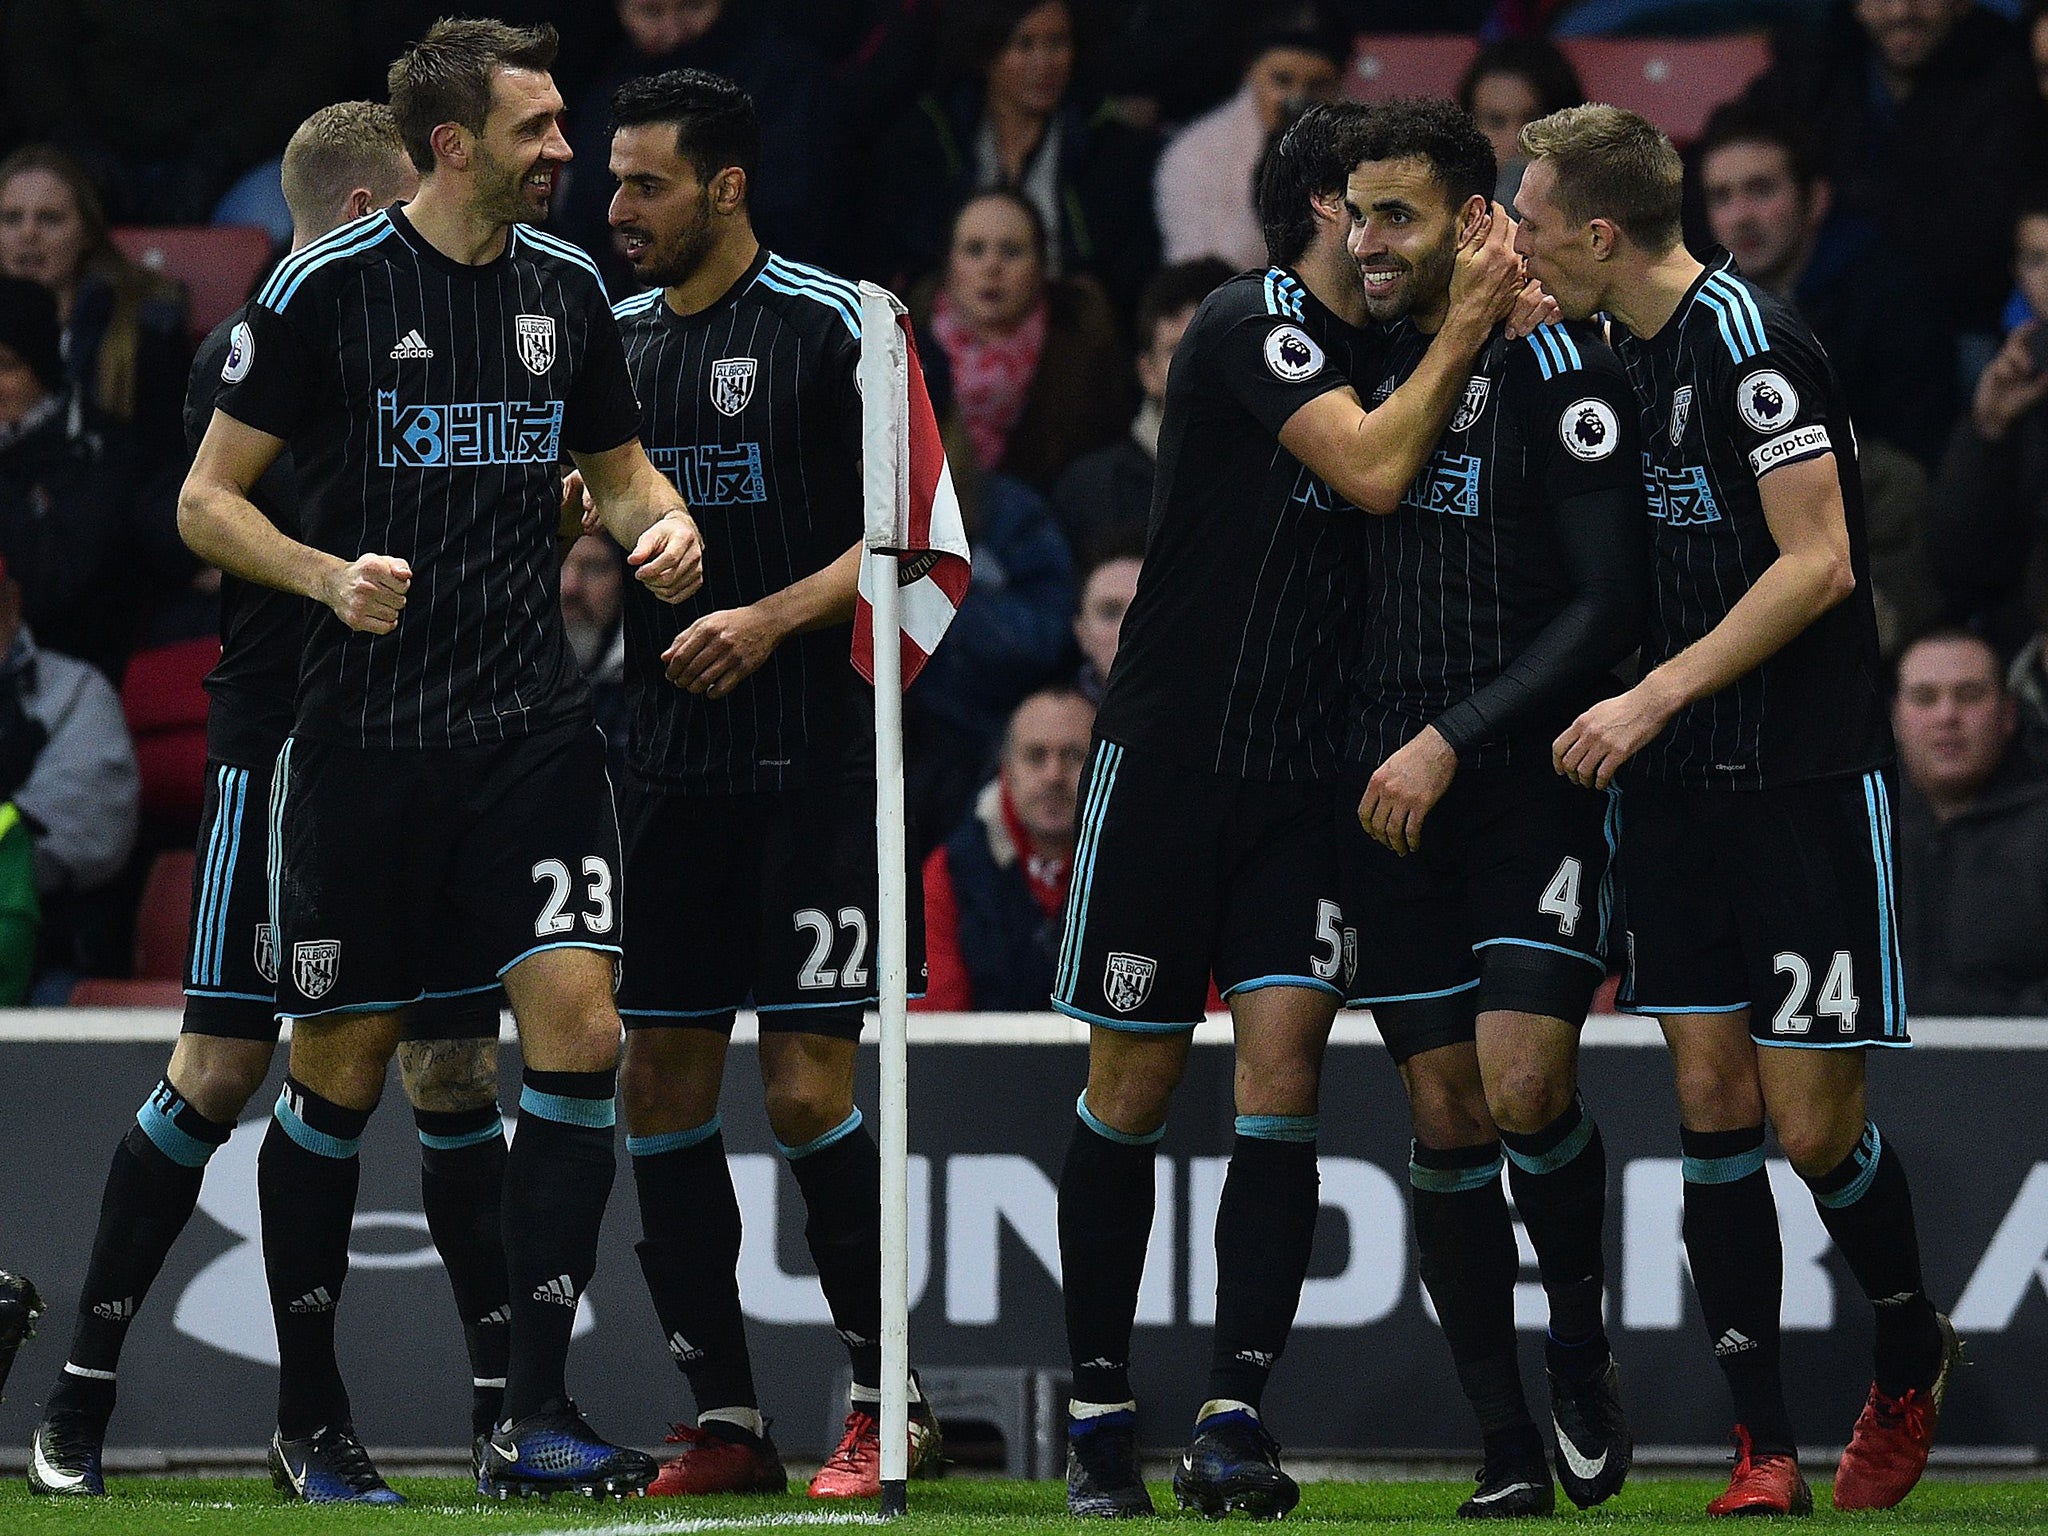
[884, 379]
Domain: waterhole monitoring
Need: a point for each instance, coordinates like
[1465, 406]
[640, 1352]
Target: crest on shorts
[1681, 412]
[1477, 388]
[1350, 957]
[1127, 980]
[732, 384]
[315, 964]
[266, 952]
[536, 337]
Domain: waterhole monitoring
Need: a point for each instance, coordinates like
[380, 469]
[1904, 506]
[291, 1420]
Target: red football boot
[1763, 1485]
[1888, 1451]
[720, 1458]
[854, 1469]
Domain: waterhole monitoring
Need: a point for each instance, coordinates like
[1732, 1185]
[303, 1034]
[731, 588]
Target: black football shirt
[428, 405]
[1231, 659]
[253, 687]
[751, 407]
[1470, 569]
[1731, 388]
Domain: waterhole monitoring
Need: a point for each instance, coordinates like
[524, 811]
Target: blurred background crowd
[1053, 186]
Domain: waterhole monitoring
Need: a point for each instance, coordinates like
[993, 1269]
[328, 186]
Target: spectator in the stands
[593, 596]
[1920, 109]
[172, 100]
[1031, 364]
[69, 494]
[1006, 115]
[1108, 583]
[1989, 517]
[1106, 496]
[995, 890]
[125, 345]
[1972, 837]
[797, 199]
[1767, 202]
[1507, 86]
[1293, 57]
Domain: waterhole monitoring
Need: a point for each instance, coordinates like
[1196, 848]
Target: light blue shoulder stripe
[363, 243]
[1548, 357]
[1563, 338]
[555, 246]
[1290, 295]
[1281, 299]
[1732, 334]
[781, 284]
[638, 304]
[804, 271]
[352, 230]
[1748, 318]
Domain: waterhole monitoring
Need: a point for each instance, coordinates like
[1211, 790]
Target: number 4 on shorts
[1561, 898]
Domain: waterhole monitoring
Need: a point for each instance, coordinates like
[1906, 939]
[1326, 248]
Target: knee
[220, 1085]
[1134, 1103]
[1814, 1140]
[1525, 1099]
[1719, 1095]
[802, 1110]
[1447, 1113]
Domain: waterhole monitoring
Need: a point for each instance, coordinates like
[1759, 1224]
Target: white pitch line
[686, 1524]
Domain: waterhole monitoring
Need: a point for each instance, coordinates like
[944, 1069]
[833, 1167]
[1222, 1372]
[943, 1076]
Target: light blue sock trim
[1451, 1181]
[1557, 1156]
[674, 1141]
[1109, 1132]
[467, 1139]
[179, 1145]
[1279, 1127]
[319, 1143]
[1869, 1152]
[567, 1109]
[1722, 1170]
[839, 1132]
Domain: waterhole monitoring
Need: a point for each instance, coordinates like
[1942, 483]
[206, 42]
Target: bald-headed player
[345, 161]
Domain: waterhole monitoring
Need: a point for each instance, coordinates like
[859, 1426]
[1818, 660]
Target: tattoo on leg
[449, 1074]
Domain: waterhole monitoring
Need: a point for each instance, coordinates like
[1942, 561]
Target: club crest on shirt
[1766, 400]
[1589, 429]
[732, 384]
[315, 964]
[1681, 412]
[266, 952]
[1127, 980]
[1477, 388]
[536, 337]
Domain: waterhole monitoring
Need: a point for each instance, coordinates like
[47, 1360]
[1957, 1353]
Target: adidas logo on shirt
[1733, 1342]
[316, 1300]
[557, 1290]
[412, 344]
[115, 1311]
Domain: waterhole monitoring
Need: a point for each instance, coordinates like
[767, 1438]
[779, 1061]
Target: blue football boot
[555, 1451]
[328, 1466]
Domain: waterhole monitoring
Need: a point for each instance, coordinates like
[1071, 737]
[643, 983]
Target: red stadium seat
[1676, 82]
[217, 263]
[103, 992]
[165, 704]
[1398, 64]
[164, 920]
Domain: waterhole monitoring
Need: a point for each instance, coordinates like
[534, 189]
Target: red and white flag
[921, 520]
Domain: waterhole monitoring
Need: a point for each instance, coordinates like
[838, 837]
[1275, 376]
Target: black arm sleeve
[1604, 538]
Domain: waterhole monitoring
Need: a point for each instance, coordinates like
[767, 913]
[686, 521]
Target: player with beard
[750, 831]
[1496, 598]
[1757, 864]
[442, 801]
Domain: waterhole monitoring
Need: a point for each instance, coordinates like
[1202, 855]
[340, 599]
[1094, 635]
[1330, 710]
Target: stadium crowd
[1053, 186]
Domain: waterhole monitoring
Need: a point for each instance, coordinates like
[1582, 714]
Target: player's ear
[1605, 235]
[729, 189]
[451, 144]
[1330, 206]
[1471, 215]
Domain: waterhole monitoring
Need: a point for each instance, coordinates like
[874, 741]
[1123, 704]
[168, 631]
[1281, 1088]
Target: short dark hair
[1301, 25]
[1310, 157]
[1743, 122]
[1174, 288]
[1537, 60]
[975, 31]
[1040, 240]
[445, 77]
[715, 121]
[1437, 132]
[1949, 634]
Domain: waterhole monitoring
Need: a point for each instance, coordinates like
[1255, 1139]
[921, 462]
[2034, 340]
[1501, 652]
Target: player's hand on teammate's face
[1486, 278]
[1533, 307]
[367, 593]
[669, 559]
[579, 507]
[1593, 747]
[721, 650]
[1405, 788]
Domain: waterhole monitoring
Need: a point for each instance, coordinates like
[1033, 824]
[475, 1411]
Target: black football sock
[840, 1177]
[1265, 1227]
[1559, 1177]
[1738, 1272]
[1868, 1210]
[151, 1190]
[306, 1179]
[462, 1181]
[1105, 1220]
[557, 1179]
[1465, 1244]
[690, 1256]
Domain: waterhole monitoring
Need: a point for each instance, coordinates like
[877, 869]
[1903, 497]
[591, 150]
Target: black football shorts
[1181, 874]
[1780, 901]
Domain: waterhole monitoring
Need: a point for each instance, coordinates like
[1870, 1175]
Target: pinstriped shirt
[1231, 659]
[751, 408]
[428, 404]
[1731, 389]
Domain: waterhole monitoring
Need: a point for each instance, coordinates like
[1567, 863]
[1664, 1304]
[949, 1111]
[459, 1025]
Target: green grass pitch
[961, 1507]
